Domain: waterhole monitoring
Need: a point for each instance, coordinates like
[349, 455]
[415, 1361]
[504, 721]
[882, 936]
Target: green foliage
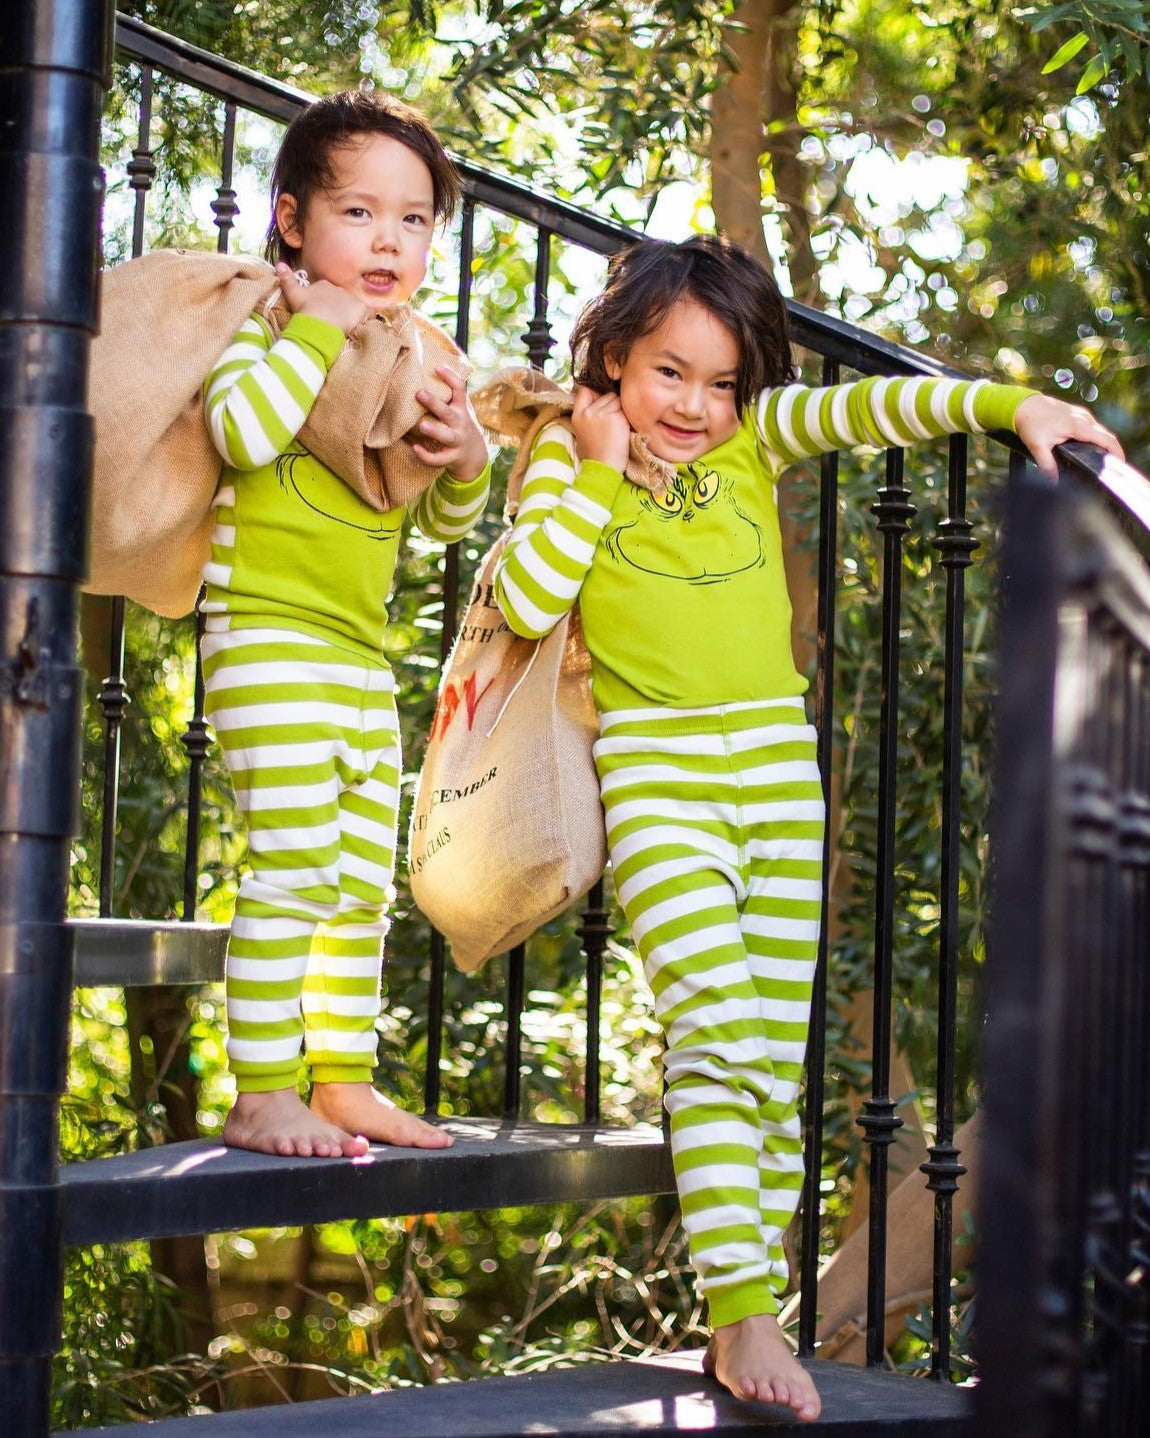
[1115, 35]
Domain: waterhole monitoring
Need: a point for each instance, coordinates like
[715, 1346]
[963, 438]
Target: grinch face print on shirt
[301, 474]
[695, 531]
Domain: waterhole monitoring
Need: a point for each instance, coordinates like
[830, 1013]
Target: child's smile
[370, 232]
[677, 384]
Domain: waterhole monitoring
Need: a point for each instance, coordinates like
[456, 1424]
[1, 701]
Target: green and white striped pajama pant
[311, 740]
[715, 827]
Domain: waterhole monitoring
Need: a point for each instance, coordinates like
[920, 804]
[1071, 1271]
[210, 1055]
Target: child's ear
[613, 365]
[287, 221]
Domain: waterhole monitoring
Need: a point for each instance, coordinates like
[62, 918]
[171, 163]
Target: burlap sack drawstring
[515, 690]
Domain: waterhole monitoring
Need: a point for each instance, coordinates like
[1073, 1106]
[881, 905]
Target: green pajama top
[294, 547]
[683, 597]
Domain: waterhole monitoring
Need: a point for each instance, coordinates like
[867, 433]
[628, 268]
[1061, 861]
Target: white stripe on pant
[715, 828]
[310, 738]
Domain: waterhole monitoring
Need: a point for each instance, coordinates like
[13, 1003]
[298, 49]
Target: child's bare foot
[753, 1360]
[279, 1122]
[363, 1110]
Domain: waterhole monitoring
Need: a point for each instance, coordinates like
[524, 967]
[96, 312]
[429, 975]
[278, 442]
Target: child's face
[677, 384]
[371, 232]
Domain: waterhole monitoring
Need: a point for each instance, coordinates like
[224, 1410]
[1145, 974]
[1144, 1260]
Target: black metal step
[662, 1394]
[135, 952]
[203, 1187]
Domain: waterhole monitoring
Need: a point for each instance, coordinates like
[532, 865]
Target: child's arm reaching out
[797, 420]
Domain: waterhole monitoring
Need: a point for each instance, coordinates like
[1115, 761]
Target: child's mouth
[380, 279]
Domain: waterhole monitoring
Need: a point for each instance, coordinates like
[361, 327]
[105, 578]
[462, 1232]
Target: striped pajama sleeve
[261, 390]
[563, 509]
[448, 510]
[796, 421]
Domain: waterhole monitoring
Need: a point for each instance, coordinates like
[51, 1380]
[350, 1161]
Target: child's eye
[725, 384]
[357, 212]
[415, 219]
[667, 372]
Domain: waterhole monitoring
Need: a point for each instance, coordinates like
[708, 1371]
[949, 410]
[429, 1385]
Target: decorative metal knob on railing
[955, 542]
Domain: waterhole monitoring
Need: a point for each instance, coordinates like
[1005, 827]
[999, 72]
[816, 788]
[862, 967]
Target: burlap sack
[166, 318]
[507, 828]
[515, 404]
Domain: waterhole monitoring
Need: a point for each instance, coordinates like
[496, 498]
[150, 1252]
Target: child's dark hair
[303, 165]
[648, 277]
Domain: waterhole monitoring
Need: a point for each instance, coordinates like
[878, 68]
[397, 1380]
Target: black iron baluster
[141, 167]
[878, 1120]
[56, 64]
[956, 544]
[197, 743]
[513, 1048]
[466, 259]
[114, 700]
[224, 206]
[594, 931]
[113, 696]
[538, 336]
[196, 738]
[538, 342]
[437, 976]
[817, 1044]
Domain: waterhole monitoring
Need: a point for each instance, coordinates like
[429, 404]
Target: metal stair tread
[661, 1394]
[203, 1187]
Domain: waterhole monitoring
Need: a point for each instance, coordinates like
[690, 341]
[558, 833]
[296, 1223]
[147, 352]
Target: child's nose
[387, 236]
[691, 399]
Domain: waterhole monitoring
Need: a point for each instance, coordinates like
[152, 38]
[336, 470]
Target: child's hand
[321, 299]
[601, 429]
[452, 424]
[1041, 422]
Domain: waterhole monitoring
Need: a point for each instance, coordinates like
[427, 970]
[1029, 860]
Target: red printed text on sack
[470, 693]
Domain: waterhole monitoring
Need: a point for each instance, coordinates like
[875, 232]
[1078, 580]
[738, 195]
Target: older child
[298, 689]
[706, 761]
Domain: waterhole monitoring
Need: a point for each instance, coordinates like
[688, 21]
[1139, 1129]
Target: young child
[297, 686]
[706, 761]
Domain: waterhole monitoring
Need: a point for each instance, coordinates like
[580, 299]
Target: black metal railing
[1064, 1292]
[130, 951]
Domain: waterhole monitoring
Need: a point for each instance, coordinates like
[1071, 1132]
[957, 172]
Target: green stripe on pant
[715, 825]
[310, 738]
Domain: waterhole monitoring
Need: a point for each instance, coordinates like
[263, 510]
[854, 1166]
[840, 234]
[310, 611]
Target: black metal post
[815, 1099]
[878, 1120]
[594, 931]
[956, 544]
[437, 976]
[54, 61]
